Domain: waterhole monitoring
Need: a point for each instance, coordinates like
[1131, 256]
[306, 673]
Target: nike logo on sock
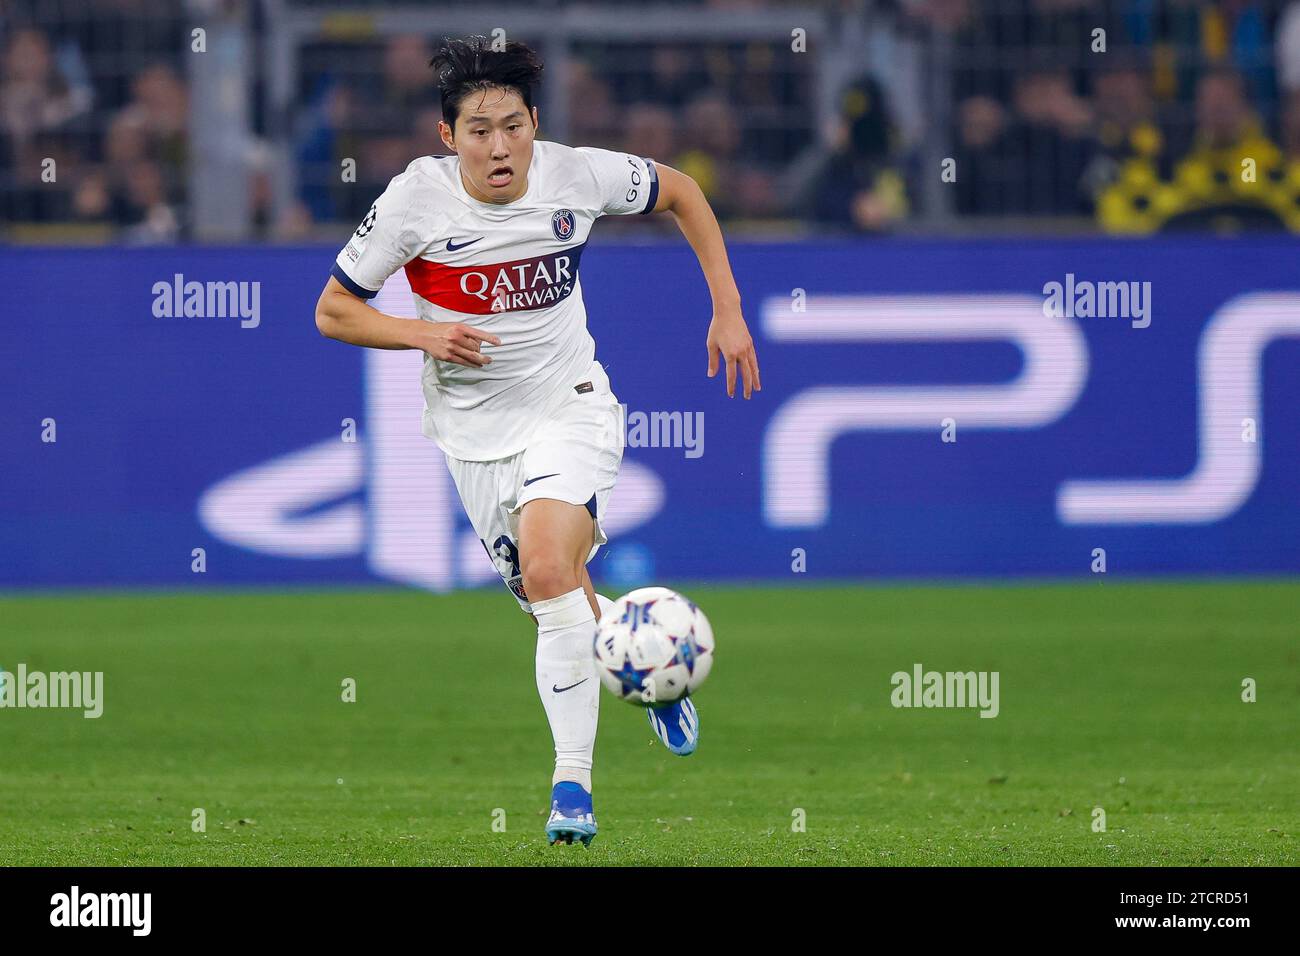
[539, 478]
[561, 690]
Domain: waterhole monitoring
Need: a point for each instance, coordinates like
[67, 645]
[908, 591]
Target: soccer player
[491, 239]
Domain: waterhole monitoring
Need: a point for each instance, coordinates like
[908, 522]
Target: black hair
[462, 67]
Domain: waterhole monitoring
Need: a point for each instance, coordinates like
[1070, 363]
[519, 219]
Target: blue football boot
[571, 815]
[677, 725]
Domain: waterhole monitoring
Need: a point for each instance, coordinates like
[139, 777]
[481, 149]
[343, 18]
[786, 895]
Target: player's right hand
[455, 342]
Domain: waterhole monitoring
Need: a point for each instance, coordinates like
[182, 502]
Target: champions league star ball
[653, 646]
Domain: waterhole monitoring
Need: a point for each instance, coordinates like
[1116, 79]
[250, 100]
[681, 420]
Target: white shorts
[573, 456]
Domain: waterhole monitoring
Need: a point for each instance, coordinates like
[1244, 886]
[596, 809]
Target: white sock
[565, 630]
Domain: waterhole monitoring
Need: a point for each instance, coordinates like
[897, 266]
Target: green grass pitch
[1120, 696]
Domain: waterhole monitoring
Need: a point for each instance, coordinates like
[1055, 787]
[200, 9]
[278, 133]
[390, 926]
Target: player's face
[494, 139]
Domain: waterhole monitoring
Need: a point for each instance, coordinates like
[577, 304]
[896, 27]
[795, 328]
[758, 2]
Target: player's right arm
[385, 241]
[344, 316]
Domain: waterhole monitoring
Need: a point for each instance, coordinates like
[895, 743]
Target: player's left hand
[729, 338]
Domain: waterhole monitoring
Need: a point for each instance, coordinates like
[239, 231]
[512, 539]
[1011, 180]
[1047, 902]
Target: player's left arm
[728, 335]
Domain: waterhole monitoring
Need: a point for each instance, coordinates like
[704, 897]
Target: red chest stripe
[517, 286]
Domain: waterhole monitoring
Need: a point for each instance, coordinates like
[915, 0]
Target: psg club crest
[562, 224]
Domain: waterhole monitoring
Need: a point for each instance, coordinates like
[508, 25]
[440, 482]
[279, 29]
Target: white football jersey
[509, 269]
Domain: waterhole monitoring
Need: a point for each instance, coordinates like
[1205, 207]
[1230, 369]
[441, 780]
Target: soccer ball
[653, 646]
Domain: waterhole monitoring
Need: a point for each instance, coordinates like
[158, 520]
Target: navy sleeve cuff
[654, 186]
[346, 281]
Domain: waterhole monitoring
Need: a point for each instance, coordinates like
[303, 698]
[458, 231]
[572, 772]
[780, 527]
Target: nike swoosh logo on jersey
[561, 690]
[538, 478]
[452, 246]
